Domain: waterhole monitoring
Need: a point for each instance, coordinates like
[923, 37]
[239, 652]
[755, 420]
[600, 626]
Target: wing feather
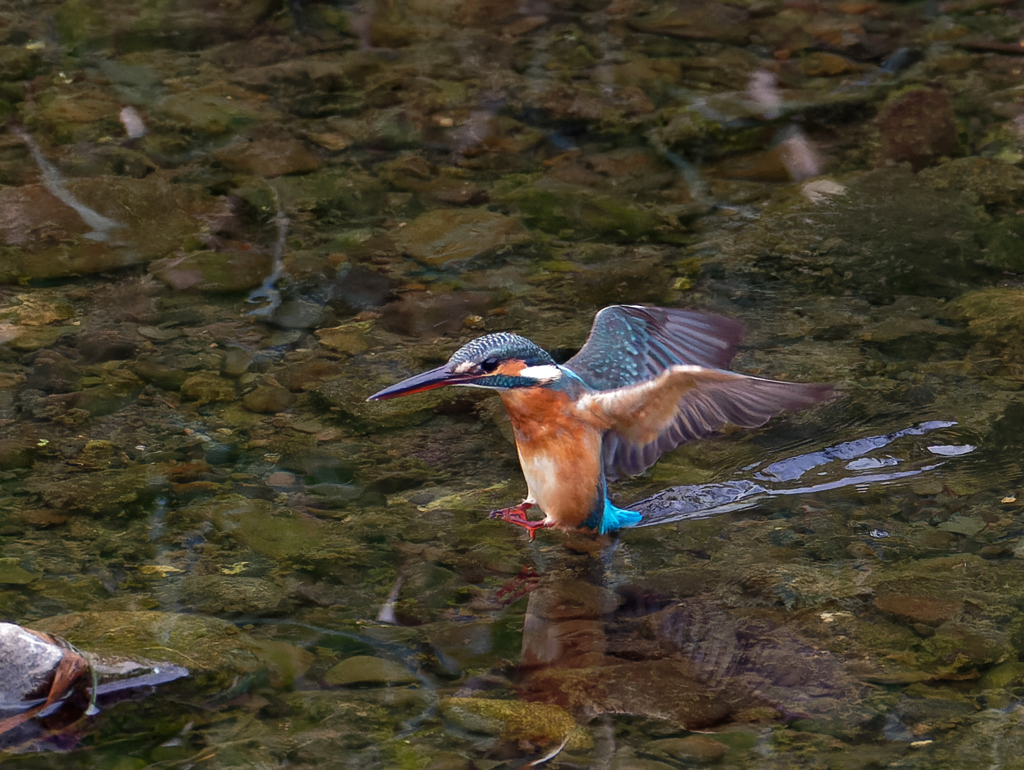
[683, 404]
[629, 344]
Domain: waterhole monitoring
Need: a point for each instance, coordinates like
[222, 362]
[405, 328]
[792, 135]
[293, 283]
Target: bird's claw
[517, 515]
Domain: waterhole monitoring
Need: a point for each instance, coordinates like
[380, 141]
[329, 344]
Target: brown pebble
[918, 609]
[281, 479]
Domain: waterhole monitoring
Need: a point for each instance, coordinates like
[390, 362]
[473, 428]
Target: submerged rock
[918, 609]
[130, 222]
[368, 670]
[229, 595]
[214, 271]
[917, 127]
[513, 721]
[454, 235]
[885, 234]
[206, 387]
[267, 158]
[268, 397]
[564, 210]
[225, 652]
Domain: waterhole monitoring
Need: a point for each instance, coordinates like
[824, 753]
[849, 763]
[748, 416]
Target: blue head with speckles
[483, 356]
[485, 353]
[476, 365]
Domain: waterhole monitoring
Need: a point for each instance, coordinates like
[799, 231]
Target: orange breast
[560, 454]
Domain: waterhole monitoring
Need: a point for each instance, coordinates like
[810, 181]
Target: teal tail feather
[616, 518]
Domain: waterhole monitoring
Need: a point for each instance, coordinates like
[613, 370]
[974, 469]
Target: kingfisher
[647, 380]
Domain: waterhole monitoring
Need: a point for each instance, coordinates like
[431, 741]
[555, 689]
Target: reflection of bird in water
[647, 380]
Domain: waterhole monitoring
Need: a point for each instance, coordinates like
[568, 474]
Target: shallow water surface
[224, 226]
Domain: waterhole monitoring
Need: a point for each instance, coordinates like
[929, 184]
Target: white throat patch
[542, 374]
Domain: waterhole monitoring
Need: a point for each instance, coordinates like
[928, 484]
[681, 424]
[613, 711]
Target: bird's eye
[489, 365]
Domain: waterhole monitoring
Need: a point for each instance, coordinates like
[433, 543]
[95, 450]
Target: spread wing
[629, 344]
[682, 404]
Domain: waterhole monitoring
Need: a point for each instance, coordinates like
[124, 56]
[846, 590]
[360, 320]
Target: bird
[647, 380]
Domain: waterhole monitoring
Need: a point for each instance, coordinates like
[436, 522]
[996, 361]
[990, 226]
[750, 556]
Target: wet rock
[705, 20]
[993, 181]
[564, 209]
[268, 397]
[539, 723]
[236, 362]
[226, 652]
[52, 372]
[824, 64]
[765, 166]
[963, 525]
[318, 466]
[17, 62]
[327, 495]
[46, 238]
[1004, 245]
[93, 24]
[220, 454]
[625, 759]
[336, 192]
[419, 313]
[1002, 676]
[214, 110]
[917, 127]
[103, 492]
[889, 233]
[26, 339]
[159, 374]
[206, 387]
[350, 339]
[99, 454]
[308, 374]
[254, 524]
[105, 345]
[468, 646]
[452, 235]
[918, 609]
[214, 271]
[106, 398]
[961, 648]
[300, 314]
[40, 310]
[307, 73]
[360, 288]
[17, 453]
[995, 316]
[77, 114]
[267, 158]
[158, 334]
[220, 595]
[369, 671]
[661, 689]
[696, 749]
[12, 573]
[413, 173]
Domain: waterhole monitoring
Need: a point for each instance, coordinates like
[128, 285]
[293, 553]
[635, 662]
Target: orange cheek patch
[510, 367]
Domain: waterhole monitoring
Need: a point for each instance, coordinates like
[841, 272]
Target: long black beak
[435, 378]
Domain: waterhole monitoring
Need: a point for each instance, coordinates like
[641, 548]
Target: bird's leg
[517, 515]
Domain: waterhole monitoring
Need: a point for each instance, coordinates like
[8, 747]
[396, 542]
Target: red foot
[517, 515]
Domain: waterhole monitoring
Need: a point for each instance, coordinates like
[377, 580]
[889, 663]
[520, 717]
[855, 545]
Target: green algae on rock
[453, 235]
[369, 670]
[540, 723]
[214, 651]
